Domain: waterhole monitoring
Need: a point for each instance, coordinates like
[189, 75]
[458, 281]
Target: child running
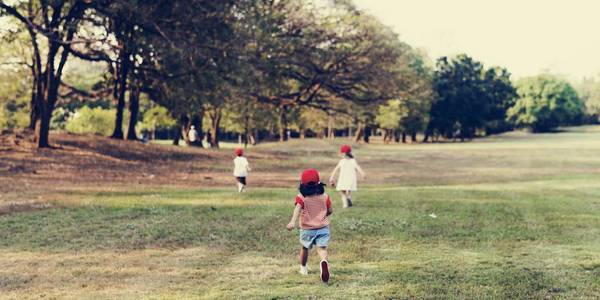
[241, 169]
[314, 208]
[346, 182]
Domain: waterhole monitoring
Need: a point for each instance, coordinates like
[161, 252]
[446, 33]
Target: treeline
[259, 69]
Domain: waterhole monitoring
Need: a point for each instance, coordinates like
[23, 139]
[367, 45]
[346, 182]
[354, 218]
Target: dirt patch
[77, 161]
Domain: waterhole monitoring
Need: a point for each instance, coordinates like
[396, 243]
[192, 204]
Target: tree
[156, 118]
[503, 95]
[388, 117]
[417, 97]
[301, 57]
[191, 67]
[589, 91]
[91, 120]
[468, 97]
[15, 78]
[545, 102]
[58, 23]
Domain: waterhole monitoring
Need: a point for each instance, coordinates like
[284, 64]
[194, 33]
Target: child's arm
[292, 224]
[331, 180]
[361, 172]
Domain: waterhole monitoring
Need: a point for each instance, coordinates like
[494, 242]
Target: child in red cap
[313, 207]
[240, 169]
[346, 182]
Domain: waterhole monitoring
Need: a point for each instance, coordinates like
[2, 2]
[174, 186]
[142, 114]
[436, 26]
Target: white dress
[347, 179]
[240, 167]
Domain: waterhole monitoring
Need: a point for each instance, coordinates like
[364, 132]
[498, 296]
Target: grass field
[518, 216]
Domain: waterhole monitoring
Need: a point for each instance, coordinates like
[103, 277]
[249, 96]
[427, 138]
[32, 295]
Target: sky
[525, 36]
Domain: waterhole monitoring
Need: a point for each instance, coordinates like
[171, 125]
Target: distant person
[313, 207]
[145, 137]
[240, 169]
[348, 168]
[193, 135]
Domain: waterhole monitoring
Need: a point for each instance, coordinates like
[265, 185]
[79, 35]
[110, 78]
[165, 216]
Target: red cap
[310, 176]
[345, 149]
[239, 151]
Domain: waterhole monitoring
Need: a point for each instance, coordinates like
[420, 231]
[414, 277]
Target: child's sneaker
[349, 202]
[304, 270]
[324, 271]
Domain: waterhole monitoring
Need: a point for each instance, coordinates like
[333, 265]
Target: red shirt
[314, 211]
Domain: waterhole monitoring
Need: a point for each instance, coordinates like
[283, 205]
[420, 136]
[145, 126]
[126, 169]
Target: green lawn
[518, 216]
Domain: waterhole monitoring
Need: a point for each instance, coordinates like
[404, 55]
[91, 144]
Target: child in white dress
[346, 183]
[240, 169]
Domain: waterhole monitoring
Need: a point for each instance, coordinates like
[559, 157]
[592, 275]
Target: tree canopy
[545, 102]
[255, 69]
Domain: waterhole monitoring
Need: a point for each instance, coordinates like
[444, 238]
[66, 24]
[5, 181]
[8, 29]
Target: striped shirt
[314, 211]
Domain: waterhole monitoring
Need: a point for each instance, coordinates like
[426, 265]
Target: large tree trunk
[184, 128]
[386, 136]
[359, 133]
[428, 134]
[122, 82]
[134, 107]
[215, 121]
[42, 127]
[403, 137]
[181, 129]
[46, 106]
[49, 96]
[413, 137]
[282, 123]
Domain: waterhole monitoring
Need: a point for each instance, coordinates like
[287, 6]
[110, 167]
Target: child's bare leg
[344, 201]
[349, 198]
[322, 251]
[324, 264]
[303, 256]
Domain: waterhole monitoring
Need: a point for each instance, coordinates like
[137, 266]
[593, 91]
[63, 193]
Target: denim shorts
[311, 237]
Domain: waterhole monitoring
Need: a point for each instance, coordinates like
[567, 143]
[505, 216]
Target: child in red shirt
[313, 207]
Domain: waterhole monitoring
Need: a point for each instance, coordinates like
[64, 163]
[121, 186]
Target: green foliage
[14, 119]
[389, 115]
[92, 120]
[589, 91]
[155, 118]
[312, 119]
[234, 120]
[469, 96]
[545, 102]
[502, 96]
[15, 85]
